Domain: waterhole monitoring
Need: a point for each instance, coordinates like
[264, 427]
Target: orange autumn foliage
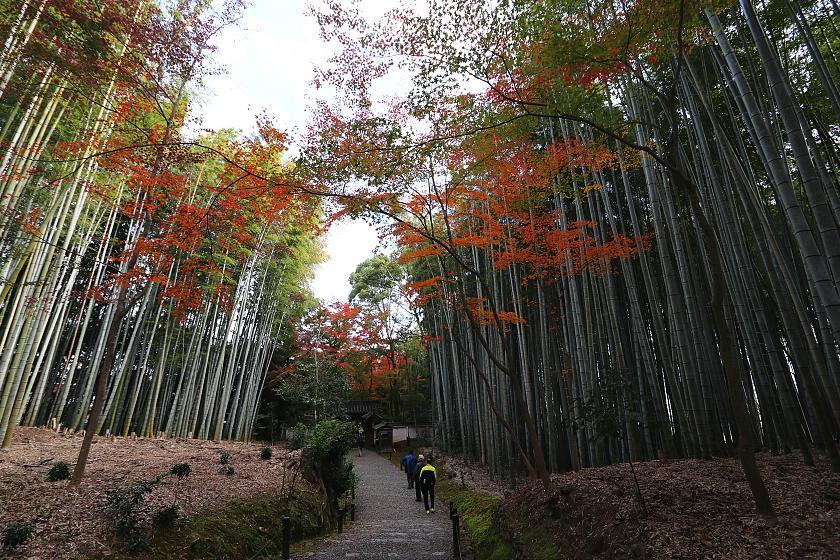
[512, 208]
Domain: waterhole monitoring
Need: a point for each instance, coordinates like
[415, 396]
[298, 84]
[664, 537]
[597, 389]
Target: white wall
[401, 433]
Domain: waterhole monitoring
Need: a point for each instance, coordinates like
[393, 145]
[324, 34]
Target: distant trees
[378, 288]
[311, 383]
[343, 351]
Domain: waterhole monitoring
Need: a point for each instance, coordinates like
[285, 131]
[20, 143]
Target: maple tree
[362, 349]
[492, 202]
[332, 354]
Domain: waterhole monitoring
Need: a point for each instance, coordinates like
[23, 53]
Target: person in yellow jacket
[427, 479]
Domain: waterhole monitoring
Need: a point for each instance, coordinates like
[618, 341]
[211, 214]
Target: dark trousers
[428, 492]
[410, 477]
[417, 490]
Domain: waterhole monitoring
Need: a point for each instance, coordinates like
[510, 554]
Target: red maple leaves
[349, 338]
[515, 208]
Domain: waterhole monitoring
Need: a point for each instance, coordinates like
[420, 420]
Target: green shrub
[265, 453]
[297, 439]
[124, 507]
[59, 471]
[181, 470]
[230, 471]
[330, 438]
[224, 458]
[325, 448]
[166, 517]
[16, 533]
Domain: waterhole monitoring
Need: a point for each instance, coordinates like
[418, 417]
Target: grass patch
[542, 548]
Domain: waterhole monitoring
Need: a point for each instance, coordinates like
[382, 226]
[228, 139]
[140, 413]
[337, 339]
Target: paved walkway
[389, 523]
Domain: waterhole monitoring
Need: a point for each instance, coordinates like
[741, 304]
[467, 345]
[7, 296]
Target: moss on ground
[542, 548]
[242, 529]
[494, 533]
[478, 515]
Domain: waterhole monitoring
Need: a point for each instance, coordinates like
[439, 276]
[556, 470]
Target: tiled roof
[363, 407]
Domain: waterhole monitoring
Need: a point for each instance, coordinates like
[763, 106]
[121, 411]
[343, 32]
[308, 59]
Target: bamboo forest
[272, 272]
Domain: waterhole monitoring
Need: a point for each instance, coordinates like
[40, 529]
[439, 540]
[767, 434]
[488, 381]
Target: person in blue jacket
[427, 480]
[409, 462]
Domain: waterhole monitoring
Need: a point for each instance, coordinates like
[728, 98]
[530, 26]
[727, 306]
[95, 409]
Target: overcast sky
[269, 60]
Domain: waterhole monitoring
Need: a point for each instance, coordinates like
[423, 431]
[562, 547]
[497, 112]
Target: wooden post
[340, 520]
[287, 537]
[456, 532]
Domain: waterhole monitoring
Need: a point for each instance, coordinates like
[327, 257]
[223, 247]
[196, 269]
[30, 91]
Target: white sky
[269, 60]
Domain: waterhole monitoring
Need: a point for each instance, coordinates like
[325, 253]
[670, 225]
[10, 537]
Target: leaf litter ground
[696, 509]
[74, 524]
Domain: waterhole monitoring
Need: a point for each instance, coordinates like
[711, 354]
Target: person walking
[421, 462]
[409, 462]
[428, 478]
[360, 440]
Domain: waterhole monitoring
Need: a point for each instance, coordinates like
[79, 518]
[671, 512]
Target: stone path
[389, 523]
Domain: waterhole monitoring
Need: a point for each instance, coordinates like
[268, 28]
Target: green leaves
[376, 279]
[325, 446]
